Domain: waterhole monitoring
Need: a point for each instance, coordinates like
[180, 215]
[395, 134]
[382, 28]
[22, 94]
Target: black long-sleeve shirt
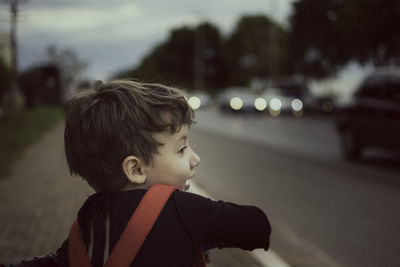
[186, 220]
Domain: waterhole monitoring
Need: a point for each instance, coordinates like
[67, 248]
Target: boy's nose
[195, 160]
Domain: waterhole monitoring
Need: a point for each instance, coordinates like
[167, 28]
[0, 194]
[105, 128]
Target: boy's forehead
[172, 137]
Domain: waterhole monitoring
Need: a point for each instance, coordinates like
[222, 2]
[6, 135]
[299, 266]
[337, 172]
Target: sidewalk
[38, 204]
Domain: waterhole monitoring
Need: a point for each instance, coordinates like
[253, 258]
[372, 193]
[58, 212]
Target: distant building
[5, 48]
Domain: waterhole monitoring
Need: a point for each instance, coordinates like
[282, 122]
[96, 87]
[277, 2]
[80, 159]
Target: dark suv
[372, 118]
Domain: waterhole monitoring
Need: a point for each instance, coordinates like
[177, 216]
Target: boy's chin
[186, 186]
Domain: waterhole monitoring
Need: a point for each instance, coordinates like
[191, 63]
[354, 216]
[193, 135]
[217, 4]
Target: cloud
[78, 19]
[94, 28]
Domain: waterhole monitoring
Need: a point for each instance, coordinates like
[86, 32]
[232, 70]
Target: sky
[114, 35]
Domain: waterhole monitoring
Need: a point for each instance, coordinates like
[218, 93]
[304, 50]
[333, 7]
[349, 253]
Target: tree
[371, 30]
[45, 83]
[5, 81]
[316, 41]
[209, 65]
[199, 58]
[172, 61]
[255, 48]
[325, 35]
[41, 85]
[188, 52]
[69, 64]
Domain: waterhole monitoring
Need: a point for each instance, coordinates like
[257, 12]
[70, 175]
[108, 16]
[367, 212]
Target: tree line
[44, 83]
[199, 57]
[321, 37]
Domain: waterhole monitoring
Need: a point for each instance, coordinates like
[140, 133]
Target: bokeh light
[260, 104]
[297, 105]
[194, 102]
[275, 104]
[236, 103]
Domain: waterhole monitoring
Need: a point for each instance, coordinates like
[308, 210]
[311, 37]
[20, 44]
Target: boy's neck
[131, 186]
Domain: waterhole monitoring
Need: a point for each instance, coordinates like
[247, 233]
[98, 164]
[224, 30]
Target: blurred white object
[198, 100]
[238, 99]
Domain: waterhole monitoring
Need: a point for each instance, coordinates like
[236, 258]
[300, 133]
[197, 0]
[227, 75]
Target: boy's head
[126, 133]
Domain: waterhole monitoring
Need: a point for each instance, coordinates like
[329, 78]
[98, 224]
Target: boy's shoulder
[187, 203]
[193, 198]
[190, 207]
[184, 200]
[190, 195]
[132, 198]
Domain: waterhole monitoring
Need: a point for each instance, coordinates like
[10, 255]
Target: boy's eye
[182, 149]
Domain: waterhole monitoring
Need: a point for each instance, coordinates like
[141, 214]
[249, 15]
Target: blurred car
[372, 117]
[240, 99]
[198, 100]
[280, 101]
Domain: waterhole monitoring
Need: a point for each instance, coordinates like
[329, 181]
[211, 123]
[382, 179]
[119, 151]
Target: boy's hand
[207, 257]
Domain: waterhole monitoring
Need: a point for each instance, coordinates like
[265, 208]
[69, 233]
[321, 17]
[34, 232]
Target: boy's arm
[241, 226]
[224, 224]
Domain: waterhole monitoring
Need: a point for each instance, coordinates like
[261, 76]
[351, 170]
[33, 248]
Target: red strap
[138, 227]
[77, 252]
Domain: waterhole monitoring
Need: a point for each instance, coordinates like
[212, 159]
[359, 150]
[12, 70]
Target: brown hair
[106, 124]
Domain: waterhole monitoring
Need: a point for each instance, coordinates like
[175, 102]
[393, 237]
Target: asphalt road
[324, 211]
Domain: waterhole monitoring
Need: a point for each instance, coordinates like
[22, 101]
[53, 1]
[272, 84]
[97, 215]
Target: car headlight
[260, 104]
[236, 103]
[275, 104]
[297, 105]
[194, 102]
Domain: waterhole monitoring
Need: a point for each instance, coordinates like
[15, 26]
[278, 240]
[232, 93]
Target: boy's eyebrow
[183, 137]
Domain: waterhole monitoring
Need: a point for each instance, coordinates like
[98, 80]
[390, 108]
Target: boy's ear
[132, 168]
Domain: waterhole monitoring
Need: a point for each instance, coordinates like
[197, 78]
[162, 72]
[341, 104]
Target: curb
[266, 259]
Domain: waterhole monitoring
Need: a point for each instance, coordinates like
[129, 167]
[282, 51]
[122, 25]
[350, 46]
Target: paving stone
[39, 201]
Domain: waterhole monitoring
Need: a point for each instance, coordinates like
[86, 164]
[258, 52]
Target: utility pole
[14, 53]
[273, 43]
[199, 58]
[14, 56]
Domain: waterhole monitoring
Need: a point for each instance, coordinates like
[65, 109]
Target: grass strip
[21, 129]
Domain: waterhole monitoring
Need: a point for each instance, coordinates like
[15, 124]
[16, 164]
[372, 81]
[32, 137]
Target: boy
[122, 138]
